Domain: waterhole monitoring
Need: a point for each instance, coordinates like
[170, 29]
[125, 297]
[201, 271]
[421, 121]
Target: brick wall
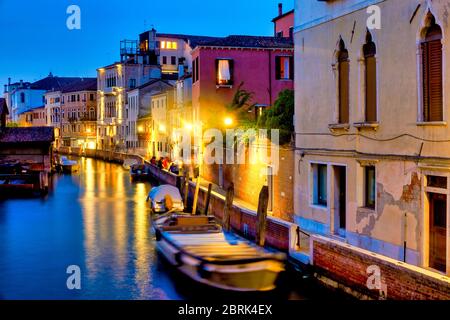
[248, 180]
[345, 267]
[243, 221]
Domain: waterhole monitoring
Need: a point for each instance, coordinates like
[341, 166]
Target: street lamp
[228, 121]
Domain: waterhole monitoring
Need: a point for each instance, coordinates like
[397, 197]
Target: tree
[280, 116]
[240, 105]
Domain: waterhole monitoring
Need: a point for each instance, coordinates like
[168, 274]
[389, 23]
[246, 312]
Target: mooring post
[186, 187]
[197, 189]
[228, 207]
[208, 198]
[262, 216]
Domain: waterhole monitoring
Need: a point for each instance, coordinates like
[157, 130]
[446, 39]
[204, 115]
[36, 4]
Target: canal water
[99, 221]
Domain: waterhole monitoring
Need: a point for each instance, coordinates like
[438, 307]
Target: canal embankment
[338, 265]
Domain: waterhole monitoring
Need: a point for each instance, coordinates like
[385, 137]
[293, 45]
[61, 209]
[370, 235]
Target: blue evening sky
[35, 40]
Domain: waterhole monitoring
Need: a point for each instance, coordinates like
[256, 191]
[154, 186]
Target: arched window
[432, 72]
[370, 64]
[343, 70]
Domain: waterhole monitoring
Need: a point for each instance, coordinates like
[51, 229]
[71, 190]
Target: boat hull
[243, 277]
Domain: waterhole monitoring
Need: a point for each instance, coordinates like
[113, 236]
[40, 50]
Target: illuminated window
[224, 72]
[284, 68]
[171, 45]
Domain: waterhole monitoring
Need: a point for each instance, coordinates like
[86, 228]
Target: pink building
[284, 23]
[264, 65]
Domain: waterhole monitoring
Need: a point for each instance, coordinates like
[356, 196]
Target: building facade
[284, 23]
[24, 96]
[114, 82]
[372, 164]
[78, 114]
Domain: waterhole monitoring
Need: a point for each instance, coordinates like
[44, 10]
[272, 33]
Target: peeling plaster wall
[398, 145]
[381, 230]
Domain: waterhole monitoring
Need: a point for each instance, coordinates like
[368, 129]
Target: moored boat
[68, 166]
[159, 195]
[200, 249]
[139, 172]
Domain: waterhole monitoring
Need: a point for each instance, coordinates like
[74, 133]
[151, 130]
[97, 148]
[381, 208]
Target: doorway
[340, 200]
[438, 231]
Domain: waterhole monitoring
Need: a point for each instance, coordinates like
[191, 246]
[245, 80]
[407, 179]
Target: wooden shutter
[278, 68]
[432, 81]
[344, 92]
[231, 66]
[291, 68]
[371, 89]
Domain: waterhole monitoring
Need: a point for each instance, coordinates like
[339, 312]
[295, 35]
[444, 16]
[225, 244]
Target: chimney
[9, 82]
[21, 83]
[280, 9]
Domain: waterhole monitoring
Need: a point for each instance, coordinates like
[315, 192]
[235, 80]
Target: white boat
[158, 197]
[199, 248]
[129, 162]
[68, 166]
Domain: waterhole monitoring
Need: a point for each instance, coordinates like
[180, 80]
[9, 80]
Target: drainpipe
[270, 77]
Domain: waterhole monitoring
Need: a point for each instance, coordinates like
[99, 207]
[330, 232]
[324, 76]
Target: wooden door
[438, 231]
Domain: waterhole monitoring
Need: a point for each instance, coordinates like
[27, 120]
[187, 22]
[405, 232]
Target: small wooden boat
[199, 248]
[68, 166]
[159, 195]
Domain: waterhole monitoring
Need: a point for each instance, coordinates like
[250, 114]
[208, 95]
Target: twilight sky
[35, 39]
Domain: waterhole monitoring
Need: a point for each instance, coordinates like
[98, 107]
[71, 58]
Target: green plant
[280, 116]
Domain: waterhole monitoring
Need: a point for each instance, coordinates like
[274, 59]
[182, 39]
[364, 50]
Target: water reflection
[96, 219]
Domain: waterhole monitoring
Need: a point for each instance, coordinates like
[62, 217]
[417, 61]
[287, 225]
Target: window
[343, 83]
[173, 60]
[284, 67]
[195, 68]
[132, 83]
[291, 32]
[164, 59]
[280, 34]
[224, 72]
[432, 73]
[22, 97]
[320, 184]
[369, 187]
[170, 45]
[91, 97]
[369, 50]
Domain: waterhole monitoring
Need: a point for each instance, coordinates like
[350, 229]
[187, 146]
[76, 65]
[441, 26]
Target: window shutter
[371, 89]
[278, 68]
[291, 68]
[432, 81]
[231, 66]
[217, 72]
[344, 92]
[435, 80]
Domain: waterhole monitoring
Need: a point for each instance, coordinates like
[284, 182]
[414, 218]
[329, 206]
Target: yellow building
[372, 126]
